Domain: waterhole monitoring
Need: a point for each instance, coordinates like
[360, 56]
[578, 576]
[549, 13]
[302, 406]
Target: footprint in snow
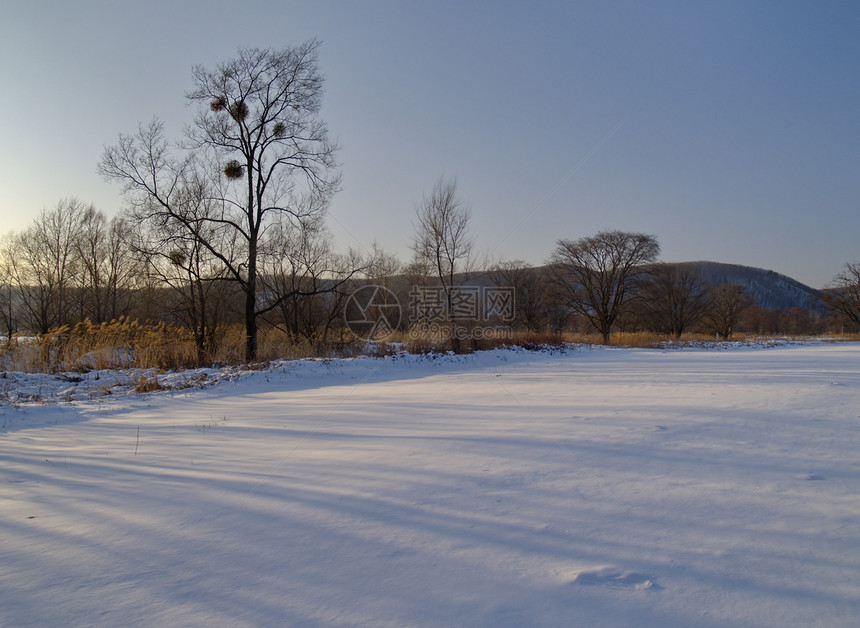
[609, 576]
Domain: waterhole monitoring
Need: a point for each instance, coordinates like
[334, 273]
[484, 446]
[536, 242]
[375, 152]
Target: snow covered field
[606, 487]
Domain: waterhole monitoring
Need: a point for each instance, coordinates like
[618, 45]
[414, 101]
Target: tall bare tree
[599, 274]
[443, 241]
[259, 143]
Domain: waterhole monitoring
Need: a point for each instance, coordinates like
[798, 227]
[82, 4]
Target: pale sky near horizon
[729, 130]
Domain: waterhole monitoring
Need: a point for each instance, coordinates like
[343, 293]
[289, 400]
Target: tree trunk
[605, 332]
[251, 286]
[250, 320]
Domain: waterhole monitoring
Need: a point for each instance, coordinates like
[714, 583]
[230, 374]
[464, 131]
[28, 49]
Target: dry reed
[130, 344]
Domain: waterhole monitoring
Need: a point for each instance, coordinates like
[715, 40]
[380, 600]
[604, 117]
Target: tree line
[613, 281]
[74, 264]
[226, 226]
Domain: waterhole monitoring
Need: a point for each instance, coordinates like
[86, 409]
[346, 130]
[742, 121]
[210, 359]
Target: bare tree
[529, 286]
[599, 274]
[8, 291]
[176, 255]
[306, 281]
[844, 295]
[443, 242]
[107, 270]
[674, 298]
[260, 145]
[726, 304]
[70, 264]
[381, 268]
[44, 263]
[798, 321]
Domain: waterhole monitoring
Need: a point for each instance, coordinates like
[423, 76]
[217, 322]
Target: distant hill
[767, 288]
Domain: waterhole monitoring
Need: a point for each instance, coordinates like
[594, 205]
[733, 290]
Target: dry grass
[531, 340]
[843, 337]
[145, 385]
[536, 340]
[121, 343]
[129, 344]
[423, 342]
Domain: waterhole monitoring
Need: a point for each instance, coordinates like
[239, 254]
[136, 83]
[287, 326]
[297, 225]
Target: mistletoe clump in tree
[257, 157]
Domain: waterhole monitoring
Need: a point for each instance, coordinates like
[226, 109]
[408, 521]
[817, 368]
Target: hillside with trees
[766, 288]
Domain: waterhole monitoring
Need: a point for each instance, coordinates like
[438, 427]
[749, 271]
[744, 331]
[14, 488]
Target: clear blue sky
[739, 136]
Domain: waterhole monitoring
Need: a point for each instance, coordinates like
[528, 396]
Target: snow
[606, 487]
